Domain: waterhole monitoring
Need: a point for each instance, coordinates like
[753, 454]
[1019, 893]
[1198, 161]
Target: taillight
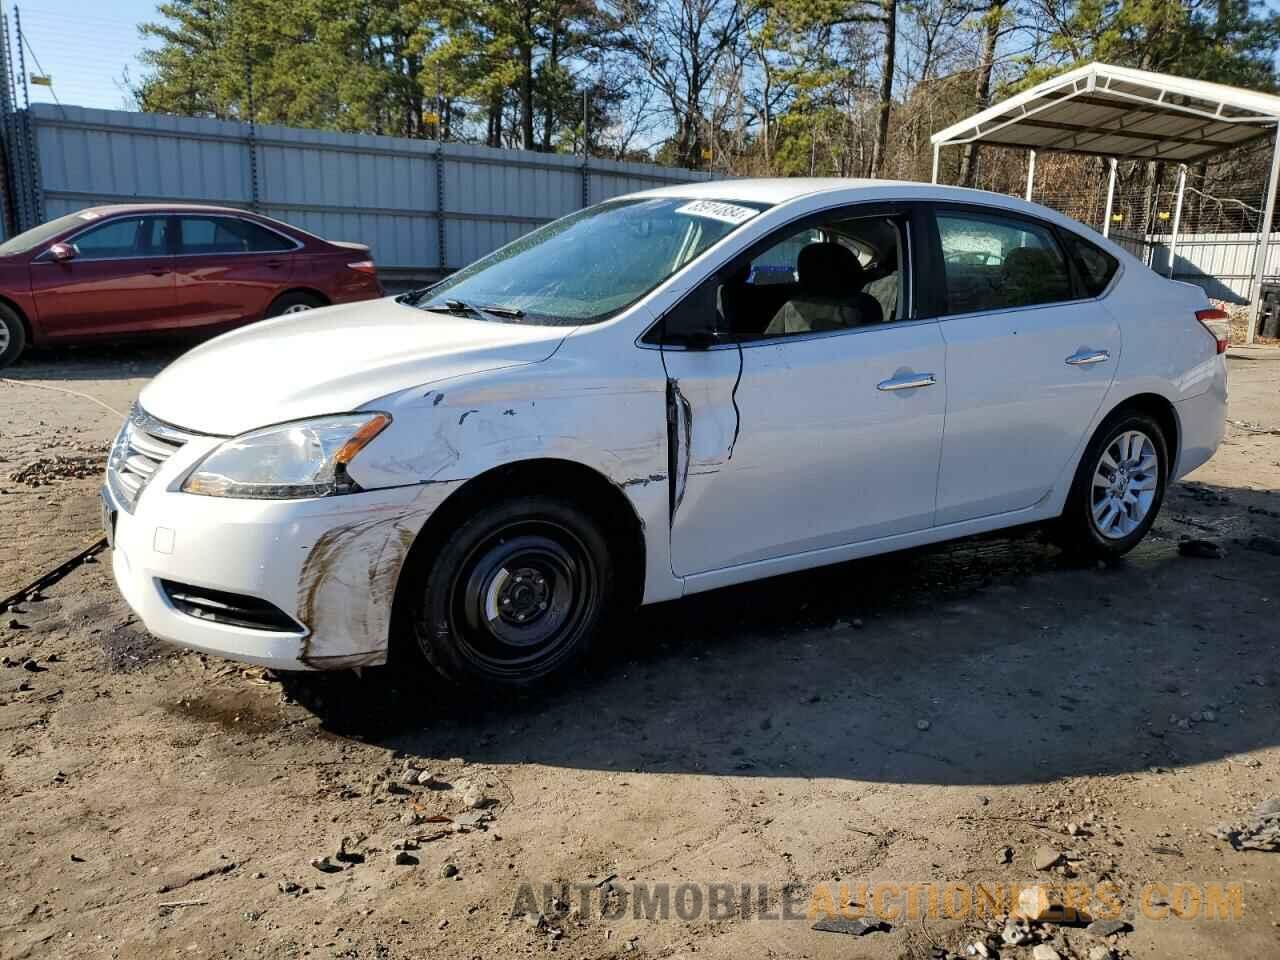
[1218, 324]
[363, 266]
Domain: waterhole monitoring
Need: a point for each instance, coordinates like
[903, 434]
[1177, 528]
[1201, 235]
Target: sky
[86, 47]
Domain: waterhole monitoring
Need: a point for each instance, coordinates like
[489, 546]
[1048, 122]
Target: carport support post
[1264, 235]
[936, 148]
[1111, 196]
[1177, 217]
[1031, 173]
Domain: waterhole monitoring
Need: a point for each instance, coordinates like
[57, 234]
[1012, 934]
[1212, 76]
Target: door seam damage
[679, 441]
[733, 397]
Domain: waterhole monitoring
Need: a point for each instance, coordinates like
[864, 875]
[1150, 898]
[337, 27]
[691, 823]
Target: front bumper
[330, 563]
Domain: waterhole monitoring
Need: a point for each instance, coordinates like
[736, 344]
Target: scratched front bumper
[332, 563]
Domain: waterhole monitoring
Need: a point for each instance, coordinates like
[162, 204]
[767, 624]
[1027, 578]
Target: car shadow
[987, 661]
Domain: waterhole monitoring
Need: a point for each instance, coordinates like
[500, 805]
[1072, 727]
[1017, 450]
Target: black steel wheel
[515, 594]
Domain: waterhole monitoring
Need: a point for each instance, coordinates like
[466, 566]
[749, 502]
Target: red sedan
[144, 268]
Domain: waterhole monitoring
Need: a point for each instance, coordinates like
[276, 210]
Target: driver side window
[838, 274]
[125, 238]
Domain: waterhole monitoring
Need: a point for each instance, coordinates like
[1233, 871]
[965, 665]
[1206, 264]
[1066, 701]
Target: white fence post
[1264, 237]
[1177, 216]
[1111, 196]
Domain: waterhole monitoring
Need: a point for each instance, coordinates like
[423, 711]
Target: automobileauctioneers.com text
[612, 899]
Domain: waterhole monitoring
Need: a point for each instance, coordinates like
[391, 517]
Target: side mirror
[695, 322]
[62, 252]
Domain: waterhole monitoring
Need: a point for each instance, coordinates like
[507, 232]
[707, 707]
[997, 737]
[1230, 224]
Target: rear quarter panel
[1166, 352]
[1166, 349]
[326, 271]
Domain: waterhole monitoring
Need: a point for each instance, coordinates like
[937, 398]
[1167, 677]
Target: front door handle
[1085, 357]
[907, 381]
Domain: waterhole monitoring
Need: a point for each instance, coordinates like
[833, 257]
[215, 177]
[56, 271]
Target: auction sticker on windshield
[718, 210]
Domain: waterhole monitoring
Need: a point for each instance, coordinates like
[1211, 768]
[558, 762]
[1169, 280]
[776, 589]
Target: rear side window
[203, 235]
[1096, 266]
[997, 263]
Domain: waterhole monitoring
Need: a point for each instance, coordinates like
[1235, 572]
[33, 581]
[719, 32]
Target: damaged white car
[661, 394]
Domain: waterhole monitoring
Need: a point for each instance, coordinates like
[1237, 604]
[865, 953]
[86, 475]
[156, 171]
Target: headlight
[307, 458]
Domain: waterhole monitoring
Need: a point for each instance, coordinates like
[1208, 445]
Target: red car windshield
[30, 239]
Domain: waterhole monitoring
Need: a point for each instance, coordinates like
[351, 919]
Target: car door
[229, 268]
[120, 280]
[1029, 359]
[792, 443]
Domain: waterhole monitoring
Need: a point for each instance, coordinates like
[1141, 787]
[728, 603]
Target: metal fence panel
[1221, 263]
[383, 191]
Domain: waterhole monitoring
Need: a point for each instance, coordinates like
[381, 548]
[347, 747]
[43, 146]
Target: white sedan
[665, 393]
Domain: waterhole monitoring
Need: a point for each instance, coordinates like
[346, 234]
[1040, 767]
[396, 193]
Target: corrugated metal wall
[1221, 263]
[387, 192]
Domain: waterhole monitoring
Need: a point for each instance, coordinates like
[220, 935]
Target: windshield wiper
[454, 305]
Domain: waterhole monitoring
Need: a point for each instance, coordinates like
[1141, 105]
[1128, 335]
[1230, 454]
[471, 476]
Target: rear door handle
[1085, 357]
[907, 381]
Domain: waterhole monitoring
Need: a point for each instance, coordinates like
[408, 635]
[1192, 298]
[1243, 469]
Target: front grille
[232, 609]
[142, 445]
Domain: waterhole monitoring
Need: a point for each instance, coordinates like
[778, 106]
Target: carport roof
[1124, 113]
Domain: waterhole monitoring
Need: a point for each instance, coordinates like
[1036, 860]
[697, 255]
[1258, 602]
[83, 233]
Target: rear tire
[13, 336]
[1118, 488]
[297, 302]
[514, 594]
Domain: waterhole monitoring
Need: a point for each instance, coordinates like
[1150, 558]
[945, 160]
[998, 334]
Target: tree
[992, 19]
[680, 44]
[1228, 41]
[889, 16]
[837, 87]
[190, 71]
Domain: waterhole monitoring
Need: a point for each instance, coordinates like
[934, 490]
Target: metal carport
[1128, 114]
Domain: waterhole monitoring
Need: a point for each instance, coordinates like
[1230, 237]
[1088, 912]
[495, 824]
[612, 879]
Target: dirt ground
[899, 720]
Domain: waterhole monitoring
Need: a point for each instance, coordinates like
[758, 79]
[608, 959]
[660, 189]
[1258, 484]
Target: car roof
[779, 190]
[766, 190]
[117, 208]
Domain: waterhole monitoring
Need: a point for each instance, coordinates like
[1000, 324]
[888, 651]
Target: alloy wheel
[5, 337]
[296, 308]
[1124, 484]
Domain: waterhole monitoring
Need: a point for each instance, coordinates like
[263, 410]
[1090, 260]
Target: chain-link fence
[1210, 239]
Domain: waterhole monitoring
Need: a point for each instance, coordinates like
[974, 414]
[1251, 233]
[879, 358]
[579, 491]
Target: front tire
[1118, 488]
[515, 594]
[13, 336]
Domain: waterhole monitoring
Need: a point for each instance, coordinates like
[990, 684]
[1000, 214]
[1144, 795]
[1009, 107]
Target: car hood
[332, 360]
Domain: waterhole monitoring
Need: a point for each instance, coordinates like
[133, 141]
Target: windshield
[589, 265]
[32, 238]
